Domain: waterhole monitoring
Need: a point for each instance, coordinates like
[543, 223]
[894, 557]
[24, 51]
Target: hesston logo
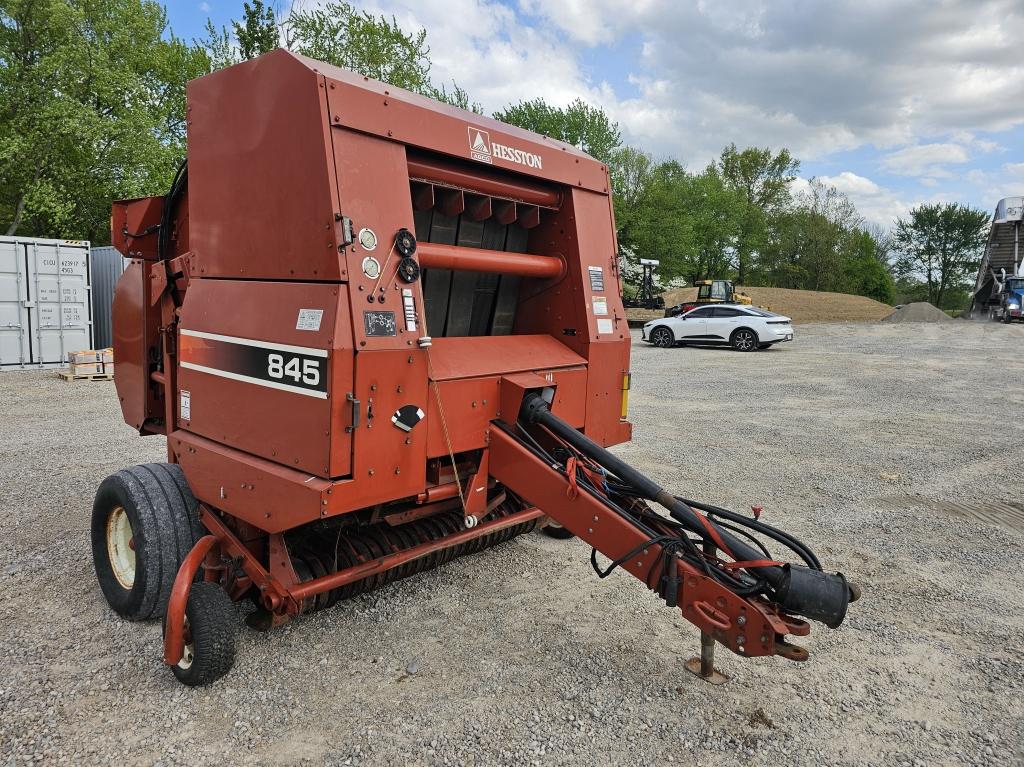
[483, 149]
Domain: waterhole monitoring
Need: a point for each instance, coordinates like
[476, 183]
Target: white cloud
[877, 204]
[204, 7]
[849, 182]
[818, 77]
[925, 159]
[1006, 181]
[927, 83]
[482, 45]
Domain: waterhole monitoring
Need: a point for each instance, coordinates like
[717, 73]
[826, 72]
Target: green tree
[941, 243]
[714, 209]
[831, 221]
[374, 46]
[763, 179]
[257, 33]
[631, 171]
[663, 229]
[866, 274]
[220, 52]
[92, 110]
[580, 124]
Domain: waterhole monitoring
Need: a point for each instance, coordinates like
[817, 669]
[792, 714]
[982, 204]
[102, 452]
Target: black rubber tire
[164, 520]
[663, 337]
[743, 340]
[556, 531]
[211, 622]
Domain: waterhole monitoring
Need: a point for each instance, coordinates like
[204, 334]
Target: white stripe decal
[259, 344]
[250, 379]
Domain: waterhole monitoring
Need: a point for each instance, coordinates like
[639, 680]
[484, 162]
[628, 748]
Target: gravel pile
[919, 311]
[852, 438]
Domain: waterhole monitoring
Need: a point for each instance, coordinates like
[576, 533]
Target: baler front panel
[264, 367]
[262, 192]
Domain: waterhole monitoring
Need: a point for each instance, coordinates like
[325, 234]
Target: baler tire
[210, 615]
[556, 531]
[161, 523]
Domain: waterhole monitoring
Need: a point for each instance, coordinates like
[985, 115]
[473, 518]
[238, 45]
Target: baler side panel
[261, 191]
[293, 425]
[373, 181]
[263, 493]
[389, 462]
[136, 330]
[584, 311]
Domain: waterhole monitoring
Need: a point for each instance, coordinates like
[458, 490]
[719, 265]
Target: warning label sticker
[605, 326]
[309, 319]
[596, 278]
[186, 405]
[600, 306]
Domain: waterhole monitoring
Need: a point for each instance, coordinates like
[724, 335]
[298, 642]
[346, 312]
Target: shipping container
[107, 267]
[45, 301]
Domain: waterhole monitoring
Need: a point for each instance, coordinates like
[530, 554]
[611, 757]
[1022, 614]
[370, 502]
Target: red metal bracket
[512, 389]
[174, 628]
[476, 491]
[275, 595]
[748, 627]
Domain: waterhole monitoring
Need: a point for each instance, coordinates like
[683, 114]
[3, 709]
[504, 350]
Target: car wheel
[663, 337]
[744, 340]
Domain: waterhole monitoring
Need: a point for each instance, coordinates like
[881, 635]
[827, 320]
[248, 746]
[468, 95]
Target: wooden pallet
[85, 376]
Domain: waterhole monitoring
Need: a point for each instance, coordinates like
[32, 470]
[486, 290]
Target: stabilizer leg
[704, 666]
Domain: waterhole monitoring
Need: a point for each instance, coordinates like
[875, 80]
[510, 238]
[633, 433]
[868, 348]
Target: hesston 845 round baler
[380, 332]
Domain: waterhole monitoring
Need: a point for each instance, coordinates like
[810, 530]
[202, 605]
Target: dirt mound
[803, 305]
[921, 311]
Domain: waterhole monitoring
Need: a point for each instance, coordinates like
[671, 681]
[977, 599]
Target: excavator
[711, 292]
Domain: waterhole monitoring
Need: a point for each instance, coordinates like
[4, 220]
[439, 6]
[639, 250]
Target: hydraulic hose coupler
[532, 408]
[814, 594]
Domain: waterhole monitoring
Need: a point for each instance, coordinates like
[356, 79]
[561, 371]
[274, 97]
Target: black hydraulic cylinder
[802, 591]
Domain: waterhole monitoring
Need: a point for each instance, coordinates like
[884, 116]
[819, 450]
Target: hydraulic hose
[812, 593]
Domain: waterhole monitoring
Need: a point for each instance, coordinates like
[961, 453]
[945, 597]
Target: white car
[744, 328]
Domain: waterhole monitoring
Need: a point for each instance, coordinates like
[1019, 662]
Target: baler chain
[317, 555]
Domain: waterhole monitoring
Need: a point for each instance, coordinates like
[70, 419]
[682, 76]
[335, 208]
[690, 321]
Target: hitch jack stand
[704, 666]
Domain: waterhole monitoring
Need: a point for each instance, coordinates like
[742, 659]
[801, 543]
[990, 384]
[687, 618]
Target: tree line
[93, 103]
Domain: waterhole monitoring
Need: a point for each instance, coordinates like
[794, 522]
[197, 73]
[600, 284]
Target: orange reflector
[627, 379]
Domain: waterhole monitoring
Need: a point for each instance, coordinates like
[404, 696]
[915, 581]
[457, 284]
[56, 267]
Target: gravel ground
[886, 447]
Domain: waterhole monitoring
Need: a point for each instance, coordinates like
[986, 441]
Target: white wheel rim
[121, 547]
[188, 653]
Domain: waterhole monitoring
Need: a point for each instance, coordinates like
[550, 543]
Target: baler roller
[317, 555]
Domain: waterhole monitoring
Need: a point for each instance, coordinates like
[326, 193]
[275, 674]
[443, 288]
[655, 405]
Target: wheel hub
[188, 651]
[121, 547]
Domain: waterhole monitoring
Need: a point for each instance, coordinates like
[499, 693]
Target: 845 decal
[300, 370]
[296, 369]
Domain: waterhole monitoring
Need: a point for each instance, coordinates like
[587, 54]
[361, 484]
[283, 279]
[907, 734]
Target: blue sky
[894, 102]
